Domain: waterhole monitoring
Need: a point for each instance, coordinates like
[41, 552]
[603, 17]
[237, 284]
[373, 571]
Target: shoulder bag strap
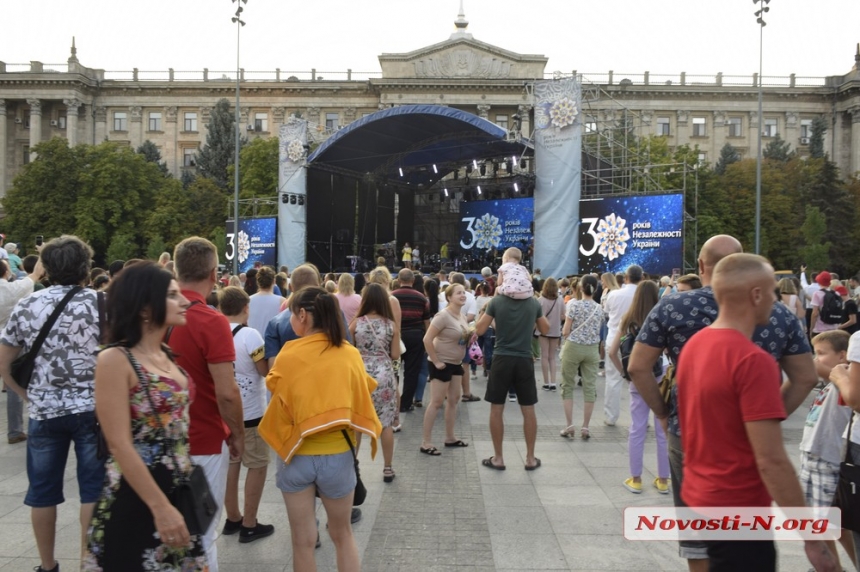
[848, 458]
[587, 320]
[237, 328]
[100, 296]
[43, 333]
[349, 442]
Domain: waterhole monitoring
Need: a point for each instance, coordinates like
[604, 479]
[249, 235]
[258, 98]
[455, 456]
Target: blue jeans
[423, 374]
[47, 451]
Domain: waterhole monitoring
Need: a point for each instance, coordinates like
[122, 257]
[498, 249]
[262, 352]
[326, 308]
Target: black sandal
[432, 451]
[388, 474]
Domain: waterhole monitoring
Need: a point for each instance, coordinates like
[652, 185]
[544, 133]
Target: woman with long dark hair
[581, 332]
[375, 335]
[321, 396]
[251, 282]
[646, 297]
[142, 399]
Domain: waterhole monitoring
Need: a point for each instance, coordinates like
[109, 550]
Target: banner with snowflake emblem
[558, 172]
[292, 192]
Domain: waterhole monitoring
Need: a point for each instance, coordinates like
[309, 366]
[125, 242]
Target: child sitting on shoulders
[821, 445]
[514, 280]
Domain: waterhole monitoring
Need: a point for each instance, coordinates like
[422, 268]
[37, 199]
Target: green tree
[728, 155]
[778, 150]
[823, 189]
[258, 169]
[122, 247]
[155, 247]
[151, 153]
[169, 215]
[207, 208]
[218, 153]
[815, 250]
[816, 138]
[187, 178]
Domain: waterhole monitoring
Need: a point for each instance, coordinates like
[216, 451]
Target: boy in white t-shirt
[514, 279]
[250, 367]
[821, 445]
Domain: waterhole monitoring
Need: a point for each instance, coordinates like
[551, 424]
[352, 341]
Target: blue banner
[499, 224]
[558, 175]
[647, 230]
[257, 242]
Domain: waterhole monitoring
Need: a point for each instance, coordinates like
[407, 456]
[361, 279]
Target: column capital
[72, 106]
[101, 114]
[683, 116]
[524, 109]
[136, 113]
[791, 119]
[35, 106]
[483, 111]
[719, 118]
[754, 119]
[855, 114]
[170, 114]
[278, 114]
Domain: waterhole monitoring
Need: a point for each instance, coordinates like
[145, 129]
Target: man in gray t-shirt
[512, 367]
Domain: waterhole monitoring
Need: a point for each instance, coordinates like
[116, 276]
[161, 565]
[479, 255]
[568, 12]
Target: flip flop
[489, 463]
[535, 466]
[432, 451]
[457, 443]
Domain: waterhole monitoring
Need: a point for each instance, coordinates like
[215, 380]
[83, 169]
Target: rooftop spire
[74, 57]
[461, 23]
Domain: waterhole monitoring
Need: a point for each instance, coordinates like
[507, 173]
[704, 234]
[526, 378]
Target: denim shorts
[48, 443]
[333, 475]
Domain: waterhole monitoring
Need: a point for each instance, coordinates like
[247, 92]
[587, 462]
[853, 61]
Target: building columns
[72, 108]
[3, 148]
[855, 139]
[35, 125]
[484, 112]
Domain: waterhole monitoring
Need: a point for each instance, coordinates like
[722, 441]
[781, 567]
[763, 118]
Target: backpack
[831, 308]
[626, 348]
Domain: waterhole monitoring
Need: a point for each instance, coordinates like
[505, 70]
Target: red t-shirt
[205, 339]
[724, 380]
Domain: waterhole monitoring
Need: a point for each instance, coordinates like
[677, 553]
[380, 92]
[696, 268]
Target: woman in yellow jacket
[319, 389]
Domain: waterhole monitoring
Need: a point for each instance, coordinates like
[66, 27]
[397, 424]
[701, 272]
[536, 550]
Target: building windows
[699, 127]
[805, 131]
[26, 157]
[702, 159]
[502, 121]
[190, 121]
[331, 122]
[663, 126]
[189, 157]
[155, 121]
[734, 124]
[261, 122]
[591, 127]
[769, 128]
[61, 121]
[120, 121]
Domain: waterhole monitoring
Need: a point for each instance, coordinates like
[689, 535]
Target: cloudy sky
[807, 37]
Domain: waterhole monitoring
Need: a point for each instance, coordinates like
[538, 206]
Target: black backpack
[626, 348]
[831, 308]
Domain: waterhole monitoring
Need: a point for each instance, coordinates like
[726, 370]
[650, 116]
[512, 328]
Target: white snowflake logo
[244, 246]
[488, 231]
[612, 237]
[563, 112]
[295, 151]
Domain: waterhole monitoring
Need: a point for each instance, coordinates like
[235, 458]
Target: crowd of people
[157, 370]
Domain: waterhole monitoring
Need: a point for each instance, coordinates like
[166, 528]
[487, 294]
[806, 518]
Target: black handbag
[360, 489]
[192, 496]
[847, 497]
[23, 366]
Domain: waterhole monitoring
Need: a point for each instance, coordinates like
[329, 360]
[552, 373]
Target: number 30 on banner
[470, 228]
[592, 222]
[231, 246]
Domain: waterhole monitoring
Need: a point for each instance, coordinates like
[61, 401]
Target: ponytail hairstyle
[325, 312]
[588, 284]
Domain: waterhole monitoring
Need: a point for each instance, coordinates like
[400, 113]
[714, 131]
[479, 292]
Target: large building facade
[85, 105]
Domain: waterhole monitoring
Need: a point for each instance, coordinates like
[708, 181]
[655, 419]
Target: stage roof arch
[414, 138]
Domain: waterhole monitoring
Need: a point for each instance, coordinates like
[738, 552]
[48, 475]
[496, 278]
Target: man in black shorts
[512, 367]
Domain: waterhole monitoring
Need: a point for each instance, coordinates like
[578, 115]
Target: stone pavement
[446, 513]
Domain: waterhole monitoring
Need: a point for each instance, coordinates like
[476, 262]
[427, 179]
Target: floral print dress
[373, 339]
[122, 534]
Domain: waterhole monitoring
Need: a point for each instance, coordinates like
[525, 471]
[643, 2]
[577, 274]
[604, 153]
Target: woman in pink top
[347, 298]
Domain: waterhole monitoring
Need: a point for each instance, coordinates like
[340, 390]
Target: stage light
[479, 189]
[301, 200]
[292, 199]
[285, 199]
[516, 188]
[401, 171]
[435, 170]
[446, 193]
[475, 163]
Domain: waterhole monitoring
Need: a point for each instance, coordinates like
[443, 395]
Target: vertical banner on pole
[292, 193]
[558, 176]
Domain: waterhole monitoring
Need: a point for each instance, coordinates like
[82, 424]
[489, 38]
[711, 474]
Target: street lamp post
[759, 14]
[239, 23]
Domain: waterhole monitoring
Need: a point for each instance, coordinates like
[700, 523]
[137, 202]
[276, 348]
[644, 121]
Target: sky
[806, 37]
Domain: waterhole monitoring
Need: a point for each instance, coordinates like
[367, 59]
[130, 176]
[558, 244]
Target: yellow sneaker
[632, 486]
[662, 488]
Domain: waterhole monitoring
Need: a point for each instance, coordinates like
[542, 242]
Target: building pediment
[462, 58]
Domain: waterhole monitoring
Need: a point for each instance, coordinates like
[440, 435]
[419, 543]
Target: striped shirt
[414, 309]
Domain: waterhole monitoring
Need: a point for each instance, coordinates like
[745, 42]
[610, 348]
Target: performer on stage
[407, 256]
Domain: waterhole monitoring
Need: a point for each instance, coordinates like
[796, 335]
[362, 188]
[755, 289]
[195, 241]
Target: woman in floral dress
[142, 401]
[377, 338]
